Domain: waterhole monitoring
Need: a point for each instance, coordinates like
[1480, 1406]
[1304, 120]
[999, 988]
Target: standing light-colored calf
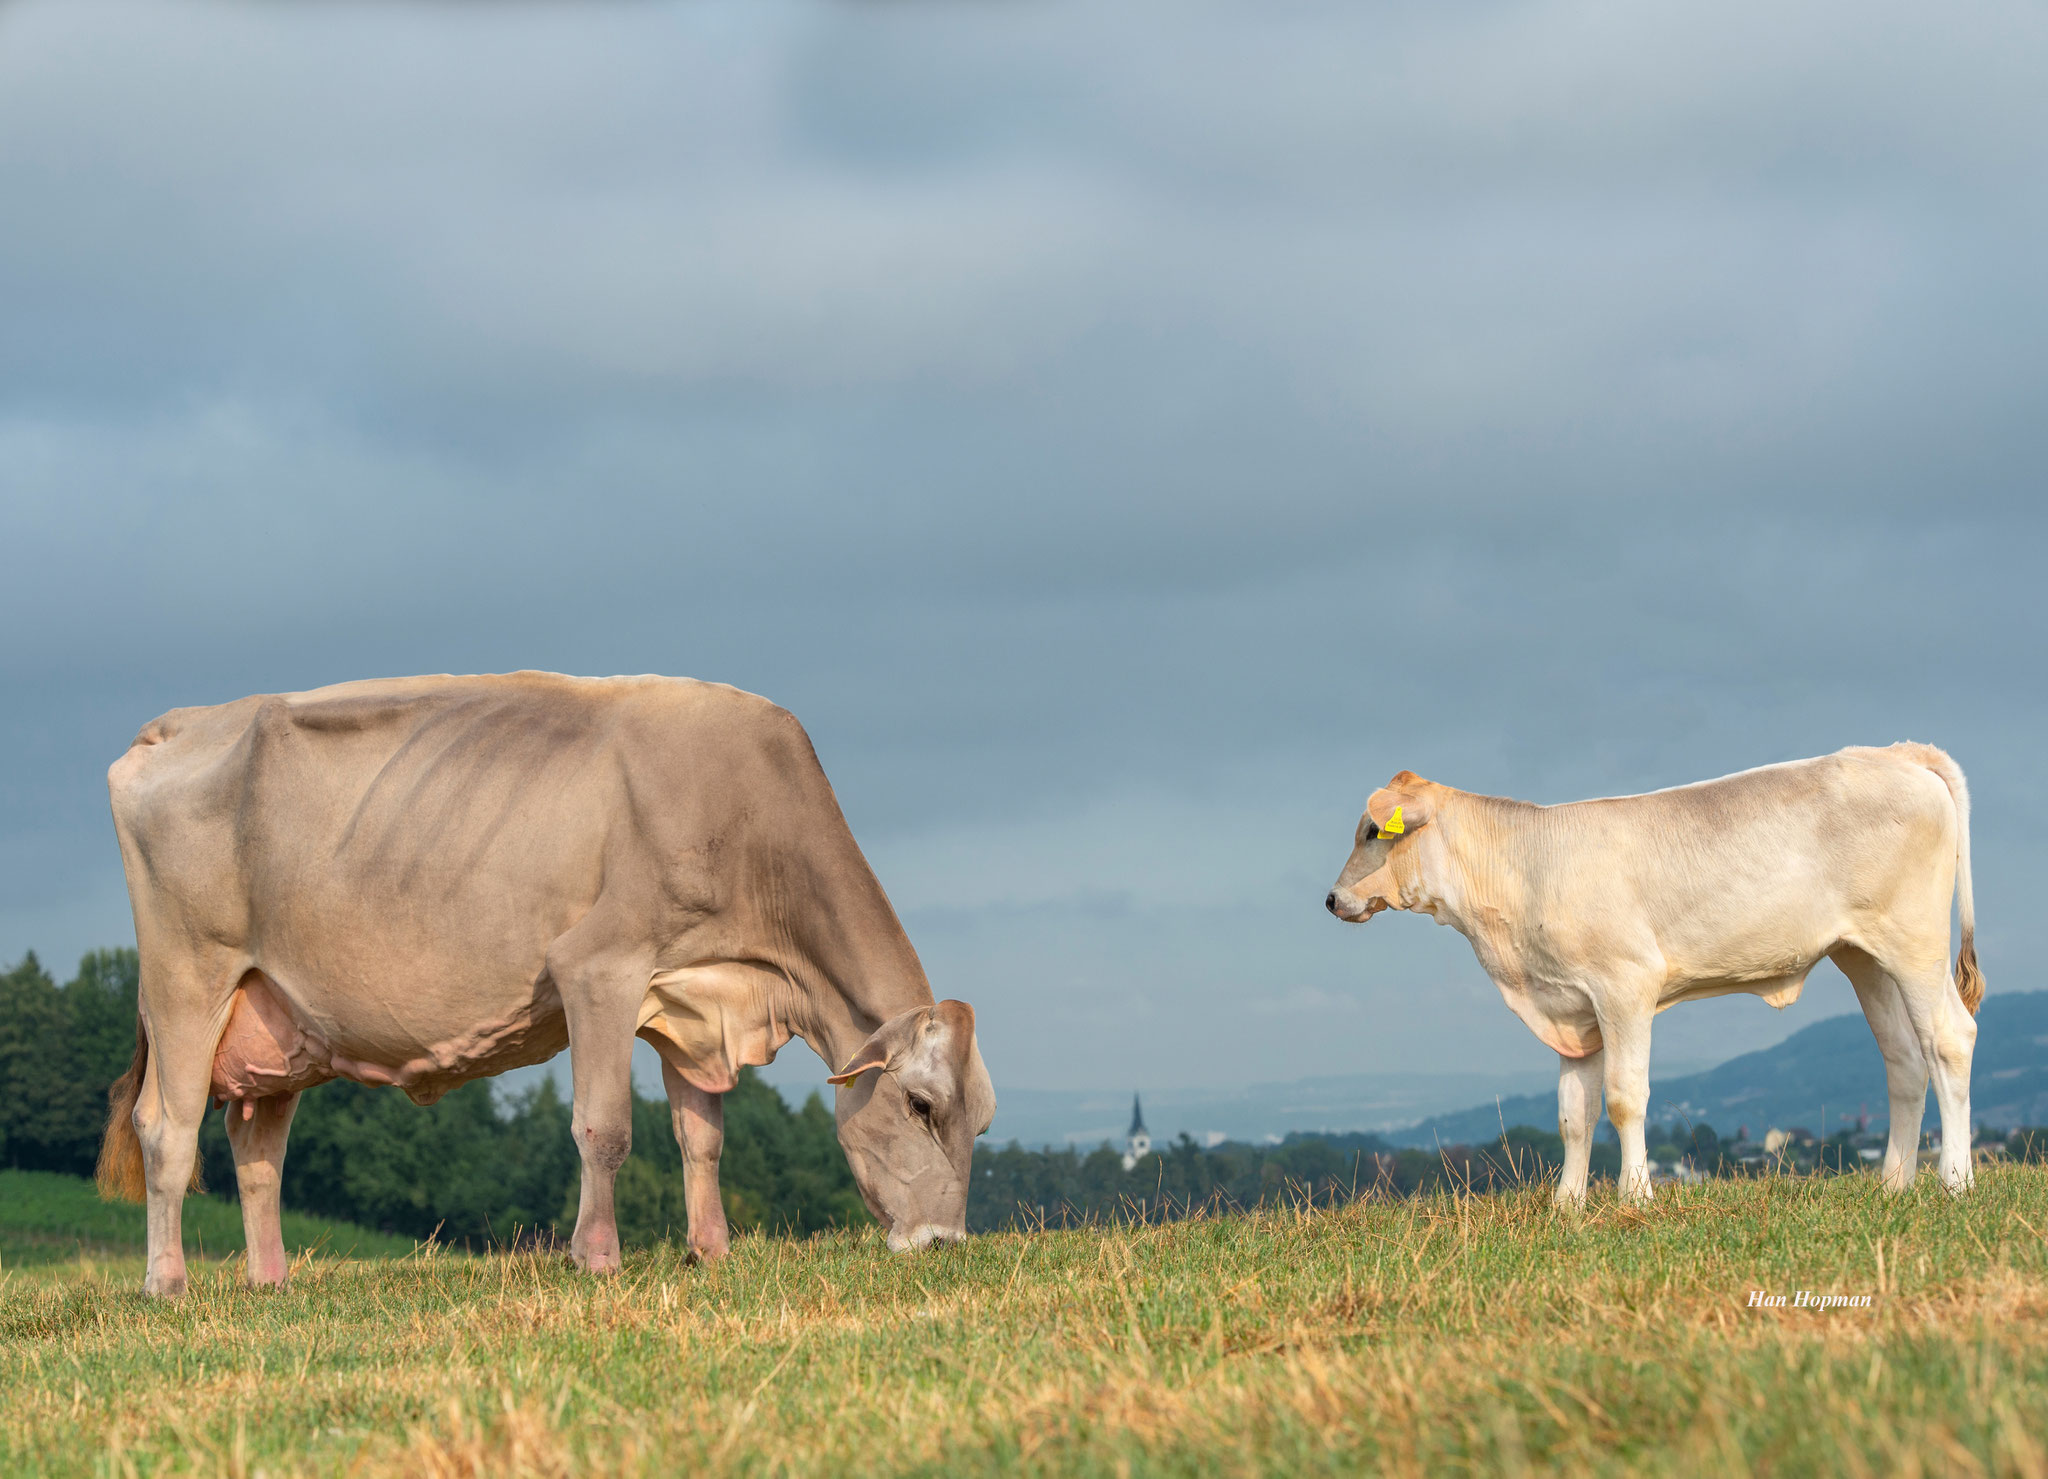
[1594, 916]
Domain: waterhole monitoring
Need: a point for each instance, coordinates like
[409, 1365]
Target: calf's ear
[1401, 805]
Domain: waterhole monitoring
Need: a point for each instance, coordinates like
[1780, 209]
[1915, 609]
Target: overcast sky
[1124, 434]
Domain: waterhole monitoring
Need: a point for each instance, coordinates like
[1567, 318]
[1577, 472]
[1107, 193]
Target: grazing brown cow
[1594, 916]
[421, 881]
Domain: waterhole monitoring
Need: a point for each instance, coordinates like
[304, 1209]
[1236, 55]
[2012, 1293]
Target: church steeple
[1138, 1144]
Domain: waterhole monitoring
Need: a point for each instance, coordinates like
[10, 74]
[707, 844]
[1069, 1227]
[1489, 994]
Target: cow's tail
[1969, 979]
[120, 1170]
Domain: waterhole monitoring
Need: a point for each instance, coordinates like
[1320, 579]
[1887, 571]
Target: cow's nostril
[1331, 902]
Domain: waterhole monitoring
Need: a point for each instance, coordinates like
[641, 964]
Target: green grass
[50, 1219]
[1444, 1335]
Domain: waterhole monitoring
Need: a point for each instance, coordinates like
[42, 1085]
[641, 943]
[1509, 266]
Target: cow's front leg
[257, 1130]
[699, 1120]
[1627, 1077]
[600, 999]
[1578, 1112]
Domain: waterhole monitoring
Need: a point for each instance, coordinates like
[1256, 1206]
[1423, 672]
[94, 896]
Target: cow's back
[415, 844]
[1749, 874]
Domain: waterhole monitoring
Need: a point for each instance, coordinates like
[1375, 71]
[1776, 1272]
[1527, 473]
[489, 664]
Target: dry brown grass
[1482, 1334]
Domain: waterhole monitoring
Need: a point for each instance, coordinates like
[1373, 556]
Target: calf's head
[911, 1101]
[1384, 867]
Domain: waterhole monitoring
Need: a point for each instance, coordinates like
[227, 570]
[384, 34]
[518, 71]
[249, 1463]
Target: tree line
[484, 1168]
[478, 1168]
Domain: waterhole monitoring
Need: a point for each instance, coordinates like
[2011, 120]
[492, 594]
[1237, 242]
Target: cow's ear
[861, 1064]
[887, 1046]
[1400, 806]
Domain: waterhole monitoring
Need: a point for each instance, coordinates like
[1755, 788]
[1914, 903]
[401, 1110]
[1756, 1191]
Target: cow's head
[911, 1101]
[1384, 867]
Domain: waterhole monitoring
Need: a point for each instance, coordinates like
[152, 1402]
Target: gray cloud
[1125, 434]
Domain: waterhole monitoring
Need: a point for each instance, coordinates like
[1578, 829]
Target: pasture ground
[48, 1219]
[1445, 1335]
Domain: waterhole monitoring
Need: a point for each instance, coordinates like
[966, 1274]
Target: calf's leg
[1947, 1035]
[1905, 1070]
[699, 1120]
[257, 1129]
[1626, 1071]
[1578, 1112]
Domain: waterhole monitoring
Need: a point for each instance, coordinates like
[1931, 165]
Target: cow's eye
[921, 1105]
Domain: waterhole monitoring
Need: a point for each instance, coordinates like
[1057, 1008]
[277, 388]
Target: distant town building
[1139, 1143]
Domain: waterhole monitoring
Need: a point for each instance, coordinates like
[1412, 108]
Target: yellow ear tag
[1394, 823]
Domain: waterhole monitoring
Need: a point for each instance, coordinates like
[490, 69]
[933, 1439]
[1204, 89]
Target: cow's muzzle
[924, 1235]
[1347, 908]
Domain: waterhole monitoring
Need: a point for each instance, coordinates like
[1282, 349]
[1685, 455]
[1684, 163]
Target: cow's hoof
[164, 1286]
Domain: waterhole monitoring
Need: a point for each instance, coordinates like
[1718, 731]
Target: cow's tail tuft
[120, 1170]
[1969, 979]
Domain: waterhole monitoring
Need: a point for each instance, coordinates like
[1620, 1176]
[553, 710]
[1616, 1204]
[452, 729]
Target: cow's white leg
[600, 998]
[168, 1113]
[184, 1002]
[1905, 1070]
[1578, 1113]
[699, 1120]
[1947, 1035]
[257, 1130]
[1626, 1063]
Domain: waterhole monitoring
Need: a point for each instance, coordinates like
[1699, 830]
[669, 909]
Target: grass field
[46, 1219]
[1477, 1334]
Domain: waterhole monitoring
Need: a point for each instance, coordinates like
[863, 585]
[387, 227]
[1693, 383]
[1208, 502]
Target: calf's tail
[1969, 979]
[120, 1170]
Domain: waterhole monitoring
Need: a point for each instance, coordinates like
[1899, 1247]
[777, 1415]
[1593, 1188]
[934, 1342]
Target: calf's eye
[921, 1105]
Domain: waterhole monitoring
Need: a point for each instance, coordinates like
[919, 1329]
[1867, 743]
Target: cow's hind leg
[699, 1120]
[601, 996]
[184, 1001]
[1947, 1035]
[257, 1130]
[1578, 1112]
[170, 1106]
[168, 1112]
[1905, 1070]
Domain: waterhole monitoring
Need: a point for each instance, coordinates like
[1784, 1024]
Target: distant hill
[1334, 1103]
[1830, 1068]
